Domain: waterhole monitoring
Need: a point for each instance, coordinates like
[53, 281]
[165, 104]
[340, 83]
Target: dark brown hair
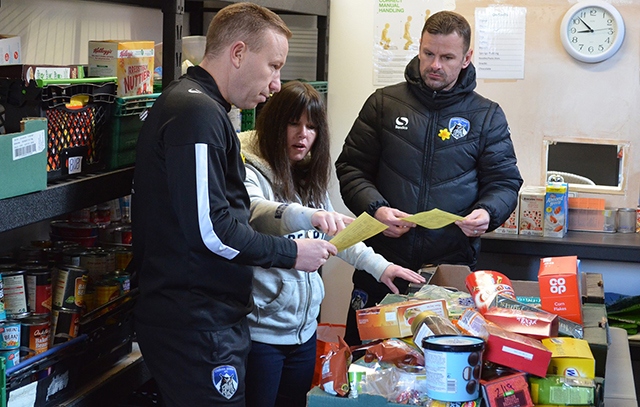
[448, 22]
[308, 178]
[244, 22]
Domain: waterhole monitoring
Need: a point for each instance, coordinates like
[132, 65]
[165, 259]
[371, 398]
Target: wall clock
[592, 31]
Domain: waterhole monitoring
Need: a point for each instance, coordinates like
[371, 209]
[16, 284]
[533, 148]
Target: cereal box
[556, 210]
[531, 209]
[130, 61]
[560, 287]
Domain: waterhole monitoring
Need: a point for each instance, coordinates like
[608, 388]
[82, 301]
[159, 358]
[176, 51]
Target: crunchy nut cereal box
[130, 61]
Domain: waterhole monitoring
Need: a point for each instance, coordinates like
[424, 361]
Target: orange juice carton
[560, 287]
[531, 211]
[556, 209]
[130, 61]
[394, 320]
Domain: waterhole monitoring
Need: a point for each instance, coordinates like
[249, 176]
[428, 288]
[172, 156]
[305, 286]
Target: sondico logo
[558, 285]
[401, 123]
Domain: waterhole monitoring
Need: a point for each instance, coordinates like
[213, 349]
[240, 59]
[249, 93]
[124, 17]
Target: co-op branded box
[130, 61]
[560, 287]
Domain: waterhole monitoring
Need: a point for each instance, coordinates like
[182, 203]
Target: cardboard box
[23, 159]
[592, 288]
[510, 390]
[570, 357]
[556, 210]
[596, 333]
[10, 52]
[535, 325]
[560, 287]
[516, 351]
[394, 320]
[557, 390]
[33, 72]
[510, 226]
[130, 61]
[531, 211]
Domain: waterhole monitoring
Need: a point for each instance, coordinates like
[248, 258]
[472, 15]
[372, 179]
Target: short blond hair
[244, 22]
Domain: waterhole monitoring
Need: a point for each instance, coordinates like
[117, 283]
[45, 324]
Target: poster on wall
[397, 27]
[499, 42]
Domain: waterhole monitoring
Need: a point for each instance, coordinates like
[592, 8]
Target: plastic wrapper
[429, 323]
[394, 351]
[457, 301]
[335, 363]
[484, 285]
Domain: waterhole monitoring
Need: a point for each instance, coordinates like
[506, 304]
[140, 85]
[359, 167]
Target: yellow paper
[362, 228]
[433, 219]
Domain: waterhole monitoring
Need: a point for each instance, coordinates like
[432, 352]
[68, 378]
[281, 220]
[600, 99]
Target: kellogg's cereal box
[130, 61]
[531, 209]
[556, 209]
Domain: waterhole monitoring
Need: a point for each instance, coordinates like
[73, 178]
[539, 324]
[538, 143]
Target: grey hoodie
[287, 301]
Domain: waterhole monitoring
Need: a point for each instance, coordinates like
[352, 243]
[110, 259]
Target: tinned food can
[65, 325]
[69, 287]
[106, 290]
[15, 292]
[34, 336]
[39, 289]
[10, 335]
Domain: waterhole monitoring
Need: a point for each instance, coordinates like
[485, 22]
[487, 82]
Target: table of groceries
[463, 339]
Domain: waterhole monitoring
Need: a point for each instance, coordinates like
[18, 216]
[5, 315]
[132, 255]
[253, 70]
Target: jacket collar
[436, 100]
[204, 79]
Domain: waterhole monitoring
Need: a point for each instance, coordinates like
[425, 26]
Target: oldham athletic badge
[225, 379]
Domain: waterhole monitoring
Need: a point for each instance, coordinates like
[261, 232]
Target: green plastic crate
[247, 119]
[128, 116]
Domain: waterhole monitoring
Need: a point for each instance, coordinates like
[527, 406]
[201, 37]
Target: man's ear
[467, 58]
[237, 53]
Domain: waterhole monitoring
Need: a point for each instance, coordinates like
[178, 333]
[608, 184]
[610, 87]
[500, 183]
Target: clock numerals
[592, 30]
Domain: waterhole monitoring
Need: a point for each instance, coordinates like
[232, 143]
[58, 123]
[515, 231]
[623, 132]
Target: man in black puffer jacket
[430, 142]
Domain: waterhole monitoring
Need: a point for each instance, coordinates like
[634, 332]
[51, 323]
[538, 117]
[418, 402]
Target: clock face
[592, 32]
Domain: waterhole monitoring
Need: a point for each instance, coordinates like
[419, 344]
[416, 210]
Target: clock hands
[586, 25]
[590, 31]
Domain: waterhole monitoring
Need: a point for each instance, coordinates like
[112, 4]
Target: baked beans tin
[38, 289]
[123, 278]
[11, 356]
[34, 336]
[69, 287]
[65, 325]
[10, 335]
[15, 292]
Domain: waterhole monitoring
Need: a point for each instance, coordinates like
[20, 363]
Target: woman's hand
[330, 222]
[394, 271]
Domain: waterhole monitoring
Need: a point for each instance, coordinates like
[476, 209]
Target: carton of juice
[130, 61]
[560, 287]
[556, 210]
[531, 209]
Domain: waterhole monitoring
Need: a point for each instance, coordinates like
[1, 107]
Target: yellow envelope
[433, 219]
[362, 228]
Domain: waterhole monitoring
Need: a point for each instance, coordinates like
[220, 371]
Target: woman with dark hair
[288, 167]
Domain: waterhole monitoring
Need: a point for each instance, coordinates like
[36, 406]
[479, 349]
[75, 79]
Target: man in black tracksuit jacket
[430, 142]
[193, 246]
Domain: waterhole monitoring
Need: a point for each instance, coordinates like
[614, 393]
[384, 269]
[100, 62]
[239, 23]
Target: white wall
[58, 31]
[559, 97]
